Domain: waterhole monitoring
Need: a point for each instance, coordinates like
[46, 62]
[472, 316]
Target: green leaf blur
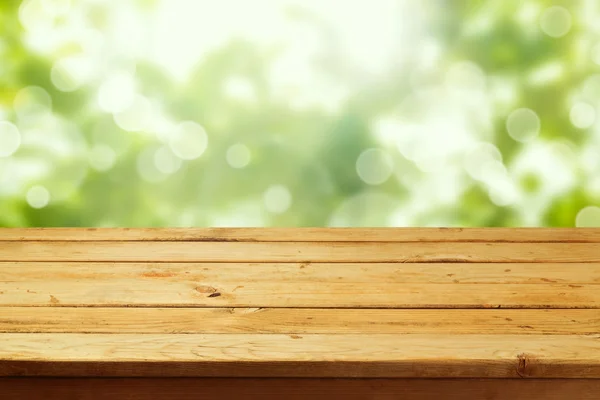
[294, 113]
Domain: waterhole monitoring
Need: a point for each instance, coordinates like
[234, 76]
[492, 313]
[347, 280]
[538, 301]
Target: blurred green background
[299, 113]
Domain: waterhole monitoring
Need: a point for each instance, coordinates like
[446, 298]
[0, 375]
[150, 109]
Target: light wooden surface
[307, 272]
[298, 321]
[309, 355]
[132, 292]
[498, 235]
[337, 285]
[297, 389]
[347, 252]
[310, 303]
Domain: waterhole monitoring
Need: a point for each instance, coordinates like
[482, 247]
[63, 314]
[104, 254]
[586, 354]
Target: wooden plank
[298, 252]
[270, 355]
[297, 321]
[78, 287]
[309, 273]
[573, 235]
[128, 293]
[300, 285]
[297, 389]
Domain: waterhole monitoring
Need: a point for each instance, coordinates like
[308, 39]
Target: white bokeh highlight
[188, 141]
[102, 157]
[555, 21]
[117, 92]
[10, 139]
[374, 166]
[71, 73]
[147, 166]
[480, 159]
[38, 196]
[240, 88]
[370, 208]
[523, 125]
[277, 199]
[465, 76]
[582, 115]
[166, 162]
[137, 116]
[238, 156]
[588, 217]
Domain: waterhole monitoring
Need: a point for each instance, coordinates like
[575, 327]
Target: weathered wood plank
[298, 252]
[336, 285]
[574, 235]
[310, 273]
[298, 389]
[297, 321]
[118, 292]
[400, 285]
[226, 294]
[270, 355]
[300, 303]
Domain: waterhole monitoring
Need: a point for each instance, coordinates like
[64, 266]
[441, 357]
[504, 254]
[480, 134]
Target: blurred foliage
[302, 167]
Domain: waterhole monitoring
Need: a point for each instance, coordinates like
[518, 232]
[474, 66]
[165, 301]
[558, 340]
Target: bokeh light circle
[591, 87]
[374, 166]
[31, 103]
[61, 78]
[71, 73]
[117, 92]
[34, 16]
[372, 209]
[61, 155]
[240, 88]
[238, 155]
[102, 157]
[147, 166]
[188, 141]
[277, 199]
[582, 115]
[505, 194]
[135, 117]
[38, 196]
[588, 217]
[523, 125]
[165, 161]
[478, 160]
[466, 75]
[556, 21]
[10, 139]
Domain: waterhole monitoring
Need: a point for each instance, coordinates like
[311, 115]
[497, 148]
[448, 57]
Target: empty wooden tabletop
[300, 303]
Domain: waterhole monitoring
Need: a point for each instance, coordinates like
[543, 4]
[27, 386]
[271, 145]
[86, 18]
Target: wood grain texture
[298, 321]
[127, 293]
[524, 235]
[303, 303]
[308, 273]
[298, 389]
[271, 355]
[400, 285]
[299, 252]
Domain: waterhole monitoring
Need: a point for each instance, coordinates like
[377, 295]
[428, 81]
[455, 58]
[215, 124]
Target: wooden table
[300, 313]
